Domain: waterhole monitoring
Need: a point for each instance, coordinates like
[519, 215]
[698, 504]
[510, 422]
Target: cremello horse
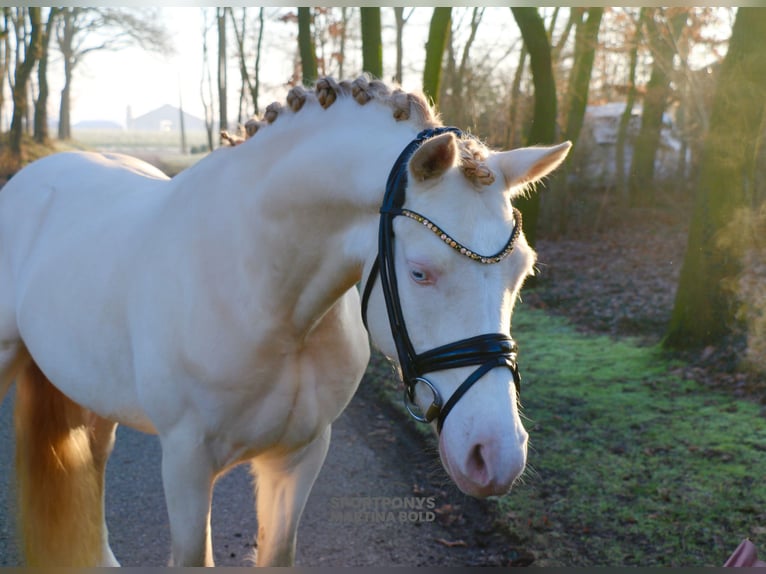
[219, 310]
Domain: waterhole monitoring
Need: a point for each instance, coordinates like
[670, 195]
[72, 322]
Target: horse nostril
[477, 466]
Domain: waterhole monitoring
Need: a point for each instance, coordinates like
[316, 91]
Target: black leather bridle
[487, 351]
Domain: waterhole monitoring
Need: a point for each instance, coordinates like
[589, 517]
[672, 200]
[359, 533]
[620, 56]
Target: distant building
[596, 150]
[164, 119]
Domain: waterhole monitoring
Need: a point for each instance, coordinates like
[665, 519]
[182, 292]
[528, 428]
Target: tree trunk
[247, 87]
[703, 310]
[586, 40]
[662, 40]
[66, 41]
[206, 84]
[223, 116]
[372, 42]
[630, 100]
[400, 22]
[65, 118]
[5, 51]
[543, 130]
[344, 17]
[23, 72]
[182, 122]
[257, 72]
[41, 106]
[514, 129]
[437, 40]
[306, 47]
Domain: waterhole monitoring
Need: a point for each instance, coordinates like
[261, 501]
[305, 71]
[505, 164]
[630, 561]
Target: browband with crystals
[462, 249]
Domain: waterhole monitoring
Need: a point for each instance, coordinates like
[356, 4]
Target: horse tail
[60, 485]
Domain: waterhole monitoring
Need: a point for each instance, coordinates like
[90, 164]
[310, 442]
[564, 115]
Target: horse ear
[528, 164]
[434, 157]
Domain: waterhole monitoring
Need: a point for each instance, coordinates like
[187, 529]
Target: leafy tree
[703, 311]
[372, 42]
[437, 40]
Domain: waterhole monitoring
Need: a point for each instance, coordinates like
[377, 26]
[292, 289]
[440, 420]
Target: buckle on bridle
[409, 400]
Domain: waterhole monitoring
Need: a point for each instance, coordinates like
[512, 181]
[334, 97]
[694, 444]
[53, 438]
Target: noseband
[487, 351]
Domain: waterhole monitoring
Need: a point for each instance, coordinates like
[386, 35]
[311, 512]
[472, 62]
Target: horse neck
[310, 187]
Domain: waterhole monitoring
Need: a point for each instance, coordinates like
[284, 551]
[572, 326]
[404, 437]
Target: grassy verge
[630, 465]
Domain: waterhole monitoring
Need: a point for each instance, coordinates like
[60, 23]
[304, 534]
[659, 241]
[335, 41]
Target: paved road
[369, 456]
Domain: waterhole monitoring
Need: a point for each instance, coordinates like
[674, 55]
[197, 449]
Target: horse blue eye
[418, 275]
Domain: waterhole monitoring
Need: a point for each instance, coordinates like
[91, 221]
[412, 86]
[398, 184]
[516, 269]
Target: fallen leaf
[451, 543]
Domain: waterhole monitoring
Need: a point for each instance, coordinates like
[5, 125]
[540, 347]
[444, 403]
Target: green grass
[630, 465]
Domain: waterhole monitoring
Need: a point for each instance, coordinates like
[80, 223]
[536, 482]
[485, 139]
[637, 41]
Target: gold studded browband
[462, 249]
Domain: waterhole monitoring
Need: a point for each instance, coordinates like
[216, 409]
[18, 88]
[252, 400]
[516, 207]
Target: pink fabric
[745, 556]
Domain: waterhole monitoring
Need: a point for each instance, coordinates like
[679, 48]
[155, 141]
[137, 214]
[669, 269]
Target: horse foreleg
[187, 478]
[283, 487]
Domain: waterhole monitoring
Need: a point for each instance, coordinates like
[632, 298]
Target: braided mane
[404, 106]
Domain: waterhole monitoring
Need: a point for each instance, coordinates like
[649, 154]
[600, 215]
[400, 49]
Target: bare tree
[372, 43]
[437, 40]
[41, 105]
[459, 75]
[401, 20]
[5, 58]
[588, 24]
[704, 312]
[223, 117]
[256, 88]
[30, 45]
[83, 30]
[306, 45]
[663, 29]
[543, 129]
[206, 81]
[342, 37]
[622, 129]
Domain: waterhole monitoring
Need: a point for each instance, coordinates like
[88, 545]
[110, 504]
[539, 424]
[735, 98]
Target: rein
[488, 351]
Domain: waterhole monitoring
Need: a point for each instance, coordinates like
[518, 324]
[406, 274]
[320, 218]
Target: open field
[140, 141]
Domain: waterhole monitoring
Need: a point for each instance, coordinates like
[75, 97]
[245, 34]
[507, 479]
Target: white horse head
[456, 208]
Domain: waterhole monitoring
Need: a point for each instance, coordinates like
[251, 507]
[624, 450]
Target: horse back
[61, 195]
[70, 226]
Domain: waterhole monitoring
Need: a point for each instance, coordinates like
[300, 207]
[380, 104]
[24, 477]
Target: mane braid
[405, 106]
